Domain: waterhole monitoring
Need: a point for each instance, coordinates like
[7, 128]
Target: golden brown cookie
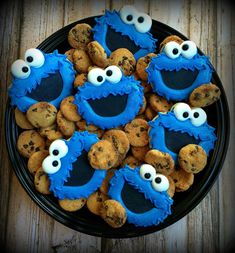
[44, 130]
[171, 38]
[182, 179]
[162, 162]
[41, 114]
[140, 152]
[171, 189]
[147, 87]
[69, 110]
[104, 188]
[72, 205]
[21, 120]
[159, 104]
[142, 64]
[66, 127]
[30, 142]
[81, 61]
[204, 95]
[80, 80]
[83, 126]
[142, 109]
[124, 59]
[41, 182]
[131, 161]
[36, 159]
[113, 213]
[95, 202]
[192, 158]
[97, 54]
[69, 54]
[150, 113]
[137, 132]
[80, 35]
[102, 155]
[53, 135]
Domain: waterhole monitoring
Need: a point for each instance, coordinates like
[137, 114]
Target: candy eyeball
[172, 49]
[182, 111]
[96, 76]
[34, 57]
[198, 116]
[143, 23]
[189, 49]
[51, 165]
[113, 74]
[128, 14]
[20, 69]
[58, 149]
[160, 183]
[147, 172]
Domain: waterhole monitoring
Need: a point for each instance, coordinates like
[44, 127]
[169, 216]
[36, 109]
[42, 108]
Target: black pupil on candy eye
[29, 59]
[147, 175]
[175, 51]
[185, 114]
[99, 78]
[55, 152]
[129, 17]
[158, 180]
[55, 163]
[109, 72]
[140, 19]
[196, 115]
[185, 47]
[25, 69]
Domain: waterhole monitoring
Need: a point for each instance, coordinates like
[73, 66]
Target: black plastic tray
[83, 220]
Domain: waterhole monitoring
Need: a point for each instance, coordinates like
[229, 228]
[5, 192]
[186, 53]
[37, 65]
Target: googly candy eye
[189, 49]
[113, 74]
[160, 183]
[34, 57]
[96, 76]
[172, 49]
[143, 23]
[198, 116]
[128, 14]
[182, 111]
[58, 149]
[147, 172]
[51, 165]
[20, 69]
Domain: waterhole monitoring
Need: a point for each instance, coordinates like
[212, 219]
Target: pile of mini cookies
[43, 123]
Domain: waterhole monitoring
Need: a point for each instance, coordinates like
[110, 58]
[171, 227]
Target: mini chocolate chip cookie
[192, 158]
[142, 109]
[53, 135]
[80, 35]
[69, 110]
[140, 152]
[29, 142]
[43, 131]
[124, 59]
[150, 113]
[72, 205]
[41, 114]
[80, 80]
[142, 64]
[204, 95]
[175, 38]
[22, 121]
[131, 161]
[35, 160]
[83, 126]
[102, 155]
[66, 127]
[97, 54]
[81, 61]
[137, 132]
[69, 54]
[113, 213]
[95, 202]
[104, 188]
[41, 182]
[159, 104]
[162, 162]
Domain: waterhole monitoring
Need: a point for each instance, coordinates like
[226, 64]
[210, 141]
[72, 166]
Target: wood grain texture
[210, 226]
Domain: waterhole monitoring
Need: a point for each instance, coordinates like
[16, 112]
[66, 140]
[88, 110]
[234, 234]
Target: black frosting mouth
[49, 89]
[179, 80]
[81, 173]
[177, 140]
[115, 40]
[134, 200]
[109, 106]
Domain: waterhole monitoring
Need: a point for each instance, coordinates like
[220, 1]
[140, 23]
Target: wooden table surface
[24, 227]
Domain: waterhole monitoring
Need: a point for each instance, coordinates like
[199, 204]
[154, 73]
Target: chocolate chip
[138, 134]
[25, 146]
[142, 129]
[197, 96]
[35, 109]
